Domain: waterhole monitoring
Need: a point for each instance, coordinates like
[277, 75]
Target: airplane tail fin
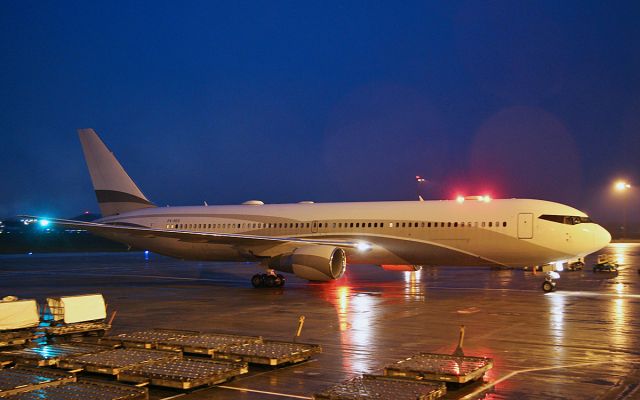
[115, 191]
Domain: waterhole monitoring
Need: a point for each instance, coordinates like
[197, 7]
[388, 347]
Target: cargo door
[525, 226]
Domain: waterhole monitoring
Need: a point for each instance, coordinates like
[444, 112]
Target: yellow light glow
[621, 186]
[460, 199]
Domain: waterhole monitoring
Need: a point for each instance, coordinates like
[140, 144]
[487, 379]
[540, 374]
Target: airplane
[316, 241]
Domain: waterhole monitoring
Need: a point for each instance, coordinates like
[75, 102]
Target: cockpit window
[566, 219]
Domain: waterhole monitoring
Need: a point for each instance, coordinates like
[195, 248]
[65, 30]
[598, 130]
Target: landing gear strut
[549, 284]
[267, 280]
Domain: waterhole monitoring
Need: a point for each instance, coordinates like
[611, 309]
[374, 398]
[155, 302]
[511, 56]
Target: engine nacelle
[312, 262]
[394, 267]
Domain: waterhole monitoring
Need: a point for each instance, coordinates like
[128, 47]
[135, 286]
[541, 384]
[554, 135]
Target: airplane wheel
[548, 286]
[270, 281]
[279, 280]
[257, 281]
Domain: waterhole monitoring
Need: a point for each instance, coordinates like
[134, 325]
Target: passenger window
[455, 224]
[504, 224]
[428, 224]
[404, 224]
[449, 224]
[490, 224]
[369, 225]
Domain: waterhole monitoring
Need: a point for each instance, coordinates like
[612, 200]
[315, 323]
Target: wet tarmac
[580, 342]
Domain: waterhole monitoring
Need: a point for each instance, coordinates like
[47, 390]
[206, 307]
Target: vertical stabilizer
[115, 191]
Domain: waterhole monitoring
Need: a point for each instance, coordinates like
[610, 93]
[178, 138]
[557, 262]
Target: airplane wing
[194, 237]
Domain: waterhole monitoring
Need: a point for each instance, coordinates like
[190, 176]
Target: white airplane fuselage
[507, 232]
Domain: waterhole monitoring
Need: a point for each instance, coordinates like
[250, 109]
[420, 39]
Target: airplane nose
[602, 237]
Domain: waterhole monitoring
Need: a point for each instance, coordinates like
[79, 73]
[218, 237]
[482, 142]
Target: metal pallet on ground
[85, 391]
[183, 373]
[112, 362]
[269, 352]
[440, 367]
[23, 379]
[204, 343]
[49, 354]
[16, 338]
[74, 329]
[146, 339]
[379, 387]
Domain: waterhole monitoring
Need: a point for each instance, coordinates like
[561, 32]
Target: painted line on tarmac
[292, 396]
[489, 385]
[593, 294]
[120, 275]
[174, 397]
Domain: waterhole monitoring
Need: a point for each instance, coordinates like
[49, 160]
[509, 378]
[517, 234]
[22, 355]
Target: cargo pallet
[183, 373]
[97, 328]
[268, 352]
[380, 387]
[50, 354]
[112, 362]
[146, 339]
[85, 390]
[440, 367]
[206, 344]
[16, 338]
[23, 379]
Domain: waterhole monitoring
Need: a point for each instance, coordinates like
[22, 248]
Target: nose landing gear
[270, 279]
[549, 284]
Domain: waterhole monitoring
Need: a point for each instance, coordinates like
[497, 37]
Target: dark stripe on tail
[114, 196]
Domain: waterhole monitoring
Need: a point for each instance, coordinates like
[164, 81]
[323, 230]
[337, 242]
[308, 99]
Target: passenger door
[525, 226]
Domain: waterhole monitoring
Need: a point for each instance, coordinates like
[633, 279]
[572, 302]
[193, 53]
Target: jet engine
[312, 262]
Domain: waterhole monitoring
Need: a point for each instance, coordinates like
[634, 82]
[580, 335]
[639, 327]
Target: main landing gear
[549, 284]
[267, 280]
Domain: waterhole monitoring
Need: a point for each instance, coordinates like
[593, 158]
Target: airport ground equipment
[373, 387]
[24, 379]
[72, 315]
[18, 318]
[16, 338]
[206, 344]
[269, 352]
[49, 354]
[440, 367]
[606, 263]
[146, 339]
[112, 362]
[85, 390]
[184, 373]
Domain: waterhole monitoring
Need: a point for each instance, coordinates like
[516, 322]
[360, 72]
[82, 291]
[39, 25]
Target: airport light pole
[623, 187]
[420, 182]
